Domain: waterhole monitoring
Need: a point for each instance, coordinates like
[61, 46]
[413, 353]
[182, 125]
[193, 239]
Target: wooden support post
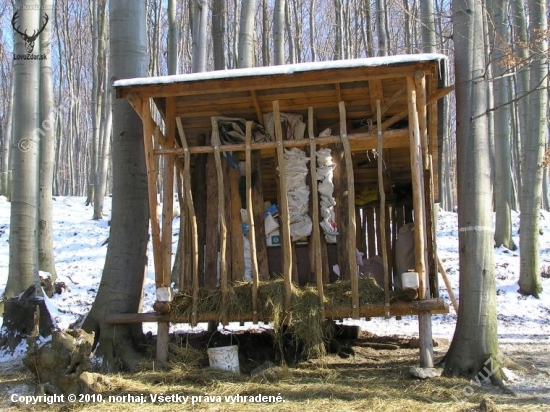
[316, 233]
[251, 223]
[192, 220]
[350, 241]
[382, 220]
[163, 329]
[152, 187]
[371, 241]
[168, 194]
[447, 284]
[235, 225]
[283, 208]
[223, 225]
[419, 210]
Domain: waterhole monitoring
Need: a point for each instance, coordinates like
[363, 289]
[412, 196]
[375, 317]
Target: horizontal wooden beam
[397, 138]
[265, 82]
[435, 306]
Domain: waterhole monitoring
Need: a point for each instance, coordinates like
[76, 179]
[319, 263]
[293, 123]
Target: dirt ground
[370, 379]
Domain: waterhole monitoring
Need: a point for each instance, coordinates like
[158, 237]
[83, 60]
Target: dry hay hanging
[304, 321]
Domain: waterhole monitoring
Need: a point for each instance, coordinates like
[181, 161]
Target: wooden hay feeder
[383, 114]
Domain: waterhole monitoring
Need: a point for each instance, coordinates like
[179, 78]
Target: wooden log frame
[420, 135]
[382, 221]
[435, 306]
[419, 211]
[283, 208]
[316, 233]
[251, 223]
[192, 220]
[222, 221]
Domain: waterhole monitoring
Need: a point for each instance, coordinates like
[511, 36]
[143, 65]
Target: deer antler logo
[29, 40]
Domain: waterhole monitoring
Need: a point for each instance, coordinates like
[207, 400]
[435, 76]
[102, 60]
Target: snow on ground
[80, 254]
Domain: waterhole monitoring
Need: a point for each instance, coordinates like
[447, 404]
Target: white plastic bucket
[225, 358]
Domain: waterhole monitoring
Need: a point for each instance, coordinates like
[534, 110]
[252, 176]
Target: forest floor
[371, 380]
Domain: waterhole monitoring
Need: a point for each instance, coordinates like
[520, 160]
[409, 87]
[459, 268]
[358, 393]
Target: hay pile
[303, 323]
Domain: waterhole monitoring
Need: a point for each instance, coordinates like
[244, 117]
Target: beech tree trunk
[475, 338]
[23, 266]
[123, 276]
[533, 149]
[279, 32]
[246, 34]
[47, 121]
[503, 170]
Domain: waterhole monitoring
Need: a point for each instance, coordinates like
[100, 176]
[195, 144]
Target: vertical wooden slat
[211, 243]
[223, 225]
[424, 318]
[150, 161]
[193, 222]
[283, 208]
[371, 240]
[235, 225]
[316, 233]
[382, 219]
[148, 130]
[350, 241]
[168, 193]
[251, 224]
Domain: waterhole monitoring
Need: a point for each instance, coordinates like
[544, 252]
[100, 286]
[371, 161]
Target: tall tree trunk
[288, 25]
[218, 33]
[23, 266]
[338, 40]
[503, 163]
[533, 149]
[123, 276]
[173, 35]
[265, 34]
[427, 21]
[246, 34]
[312, 30]
[5, 172]
[279, 32]
[408, 31]
[200, 13]
[383, 41]
[47, 121]
[103, 135]
[521, 49]
[475, 338]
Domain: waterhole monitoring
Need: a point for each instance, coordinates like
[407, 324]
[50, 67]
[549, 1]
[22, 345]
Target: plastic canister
[409, 280]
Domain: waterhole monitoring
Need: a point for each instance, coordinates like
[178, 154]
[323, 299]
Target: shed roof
[359, 83]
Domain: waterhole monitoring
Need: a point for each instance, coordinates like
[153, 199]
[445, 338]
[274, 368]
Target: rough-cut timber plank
[212, 241]
[192, 220]
[316, 233]
[419, 210]
[393, 139]
[236, 228]
[435, 306]
[152, 187]
[251, 224]
[222, 221]
[349, 237]
[283, 208]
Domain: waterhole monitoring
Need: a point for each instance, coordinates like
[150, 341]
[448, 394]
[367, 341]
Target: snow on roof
[282, 69]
